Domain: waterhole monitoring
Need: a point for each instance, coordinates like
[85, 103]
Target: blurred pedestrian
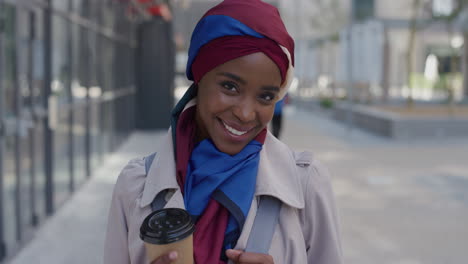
[277, 120]
[219, 162]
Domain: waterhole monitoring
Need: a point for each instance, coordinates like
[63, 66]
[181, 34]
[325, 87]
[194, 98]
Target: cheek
[215, 101]
[266, 115]
[204, 111]
[209, 104]
[204, 99]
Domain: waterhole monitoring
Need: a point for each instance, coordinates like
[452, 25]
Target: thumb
[233, 254]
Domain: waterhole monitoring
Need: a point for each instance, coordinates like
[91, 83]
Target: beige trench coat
[307, 231]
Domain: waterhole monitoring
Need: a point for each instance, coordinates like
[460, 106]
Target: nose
[245, 111]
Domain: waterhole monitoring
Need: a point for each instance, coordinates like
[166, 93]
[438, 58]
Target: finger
[233, 254]
[249, 257]
[255, 258]
[167, 258]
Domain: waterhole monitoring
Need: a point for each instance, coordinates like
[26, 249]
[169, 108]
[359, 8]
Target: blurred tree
[465, 64]
[462, 21]
[328, 17]
[362, 9]
[413, 28]
[451, 10]
[450, 19]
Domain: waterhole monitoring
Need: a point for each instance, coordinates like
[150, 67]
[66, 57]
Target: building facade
[66, 100]
[365, 46]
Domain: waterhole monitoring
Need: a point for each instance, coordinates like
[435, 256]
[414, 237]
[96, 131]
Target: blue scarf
[230, 180]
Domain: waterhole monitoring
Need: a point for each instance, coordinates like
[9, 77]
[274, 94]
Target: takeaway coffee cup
[166, 230]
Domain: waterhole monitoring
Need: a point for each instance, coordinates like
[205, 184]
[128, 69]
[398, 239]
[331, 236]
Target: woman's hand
[166, 259]
[241, 257]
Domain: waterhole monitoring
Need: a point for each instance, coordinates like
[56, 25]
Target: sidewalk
[75, 234]
[399, 202]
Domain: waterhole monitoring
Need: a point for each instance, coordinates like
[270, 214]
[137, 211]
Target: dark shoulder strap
[160, 200]
[264, 225]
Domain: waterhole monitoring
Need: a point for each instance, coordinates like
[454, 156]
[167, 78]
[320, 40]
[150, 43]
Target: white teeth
[234, 131]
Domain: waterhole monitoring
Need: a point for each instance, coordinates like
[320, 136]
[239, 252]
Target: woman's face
[236, 101]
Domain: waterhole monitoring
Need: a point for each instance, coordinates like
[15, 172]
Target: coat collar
[277, 173]
[162, 173]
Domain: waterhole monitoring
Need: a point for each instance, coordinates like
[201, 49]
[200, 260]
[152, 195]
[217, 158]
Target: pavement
[399, 202]
[75, 233]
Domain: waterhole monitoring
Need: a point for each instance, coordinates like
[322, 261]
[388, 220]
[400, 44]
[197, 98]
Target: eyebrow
[233, 76]
[270, 88]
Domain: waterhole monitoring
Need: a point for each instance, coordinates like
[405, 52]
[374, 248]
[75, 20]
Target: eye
[229, 86]
[267, 97]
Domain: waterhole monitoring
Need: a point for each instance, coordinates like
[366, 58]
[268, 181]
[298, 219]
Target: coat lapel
[161, 175]
[277, 173]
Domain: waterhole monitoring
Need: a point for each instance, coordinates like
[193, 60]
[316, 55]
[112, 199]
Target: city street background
[379, 94]
[398, 202]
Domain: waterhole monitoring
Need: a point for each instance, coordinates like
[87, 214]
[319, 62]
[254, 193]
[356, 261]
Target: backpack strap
[264, 225]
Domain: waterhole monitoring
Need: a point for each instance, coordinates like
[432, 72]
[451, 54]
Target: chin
[230, 150]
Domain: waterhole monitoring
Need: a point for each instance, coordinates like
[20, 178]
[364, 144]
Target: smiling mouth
[234, 131]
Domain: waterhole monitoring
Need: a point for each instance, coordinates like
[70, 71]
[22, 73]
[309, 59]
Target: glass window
[84, 62]
[80, 81]
[37, 109]
[32, 151]
[443, 7]
[108, 16]
[95, 91]
[60, 108]
[76, 6]
[24, 59]
[106, 76]
[60, 5]
[8, 64]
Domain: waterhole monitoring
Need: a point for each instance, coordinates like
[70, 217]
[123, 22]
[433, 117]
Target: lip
[236, 127]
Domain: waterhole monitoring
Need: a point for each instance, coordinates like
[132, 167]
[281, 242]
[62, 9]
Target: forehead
[254, 67]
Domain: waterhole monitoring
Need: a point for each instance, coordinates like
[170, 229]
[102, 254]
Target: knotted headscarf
[254, 26]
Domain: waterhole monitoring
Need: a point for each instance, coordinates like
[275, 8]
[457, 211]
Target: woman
[218, 159]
